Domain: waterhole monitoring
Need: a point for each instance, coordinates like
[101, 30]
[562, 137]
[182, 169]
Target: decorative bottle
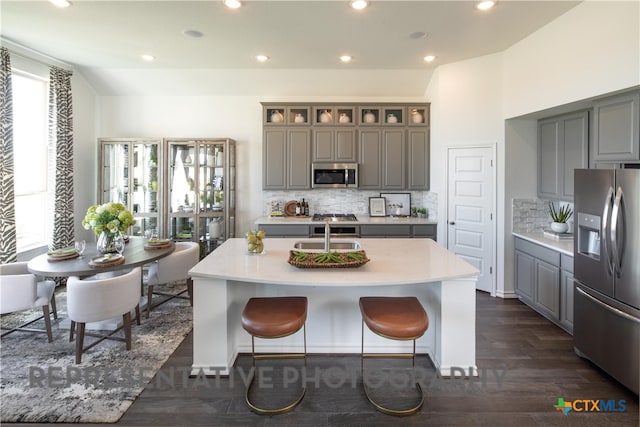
[277, 117]
[369, 117]
[325, 117]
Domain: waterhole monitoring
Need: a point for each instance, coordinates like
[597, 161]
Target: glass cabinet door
[200, 191]
[145, 188]
[129, 175]
[181, 189]
[115, 173]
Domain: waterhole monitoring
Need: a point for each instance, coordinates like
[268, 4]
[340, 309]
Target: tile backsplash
[531, 215]
[337, 200]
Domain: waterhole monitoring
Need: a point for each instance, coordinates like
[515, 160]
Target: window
[31, 160]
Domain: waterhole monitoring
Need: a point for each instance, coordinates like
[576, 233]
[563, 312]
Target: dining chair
[94, 299]
[173, 268]
[20, 290]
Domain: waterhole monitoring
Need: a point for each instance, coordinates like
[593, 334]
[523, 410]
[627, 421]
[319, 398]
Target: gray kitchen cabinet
[425, 230]
[418, 164]
[286, 158]
[298, 159]
[382, 159]
[562, 147]
[389, 141]
[547, 292]
[274, 159]
[385, 230]
[537, 278]
[370, 149]
[566, 293]
[525, 276]
[285, 230]
[399, 230]
[393, 160]
[616, 129]
[334, 145]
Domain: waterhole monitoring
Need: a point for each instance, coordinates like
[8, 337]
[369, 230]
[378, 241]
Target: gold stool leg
[254, 357]
[379, 407]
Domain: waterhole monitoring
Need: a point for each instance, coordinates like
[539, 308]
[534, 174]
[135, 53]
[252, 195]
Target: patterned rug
[40, 381]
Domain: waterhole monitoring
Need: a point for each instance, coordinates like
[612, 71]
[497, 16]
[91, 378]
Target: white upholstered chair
[172, 268]
[94, 299]
[20, 290]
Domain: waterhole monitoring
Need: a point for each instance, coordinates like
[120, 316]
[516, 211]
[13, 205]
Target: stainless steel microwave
[334, 175]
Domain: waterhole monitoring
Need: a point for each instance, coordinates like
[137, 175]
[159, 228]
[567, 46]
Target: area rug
[40, 381]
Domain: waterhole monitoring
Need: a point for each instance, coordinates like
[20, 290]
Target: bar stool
[274, 317]
[396, 318]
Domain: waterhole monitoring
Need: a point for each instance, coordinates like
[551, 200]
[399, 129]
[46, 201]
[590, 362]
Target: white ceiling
[103, 40]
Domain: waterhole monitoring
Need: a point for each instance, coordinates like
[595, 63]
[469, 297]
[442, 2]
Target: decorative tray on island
[351, 259]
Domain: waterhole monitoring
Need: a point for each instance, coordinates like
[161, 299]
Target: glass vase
[107, 242]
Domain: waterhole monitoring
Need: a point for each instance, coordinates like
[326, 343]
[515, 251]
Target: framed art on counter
[397, 204]
[377, 206]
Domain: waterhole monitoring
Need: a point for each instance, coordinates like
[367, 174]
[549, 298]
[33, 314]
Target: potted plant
[560, 217]
[422, 212]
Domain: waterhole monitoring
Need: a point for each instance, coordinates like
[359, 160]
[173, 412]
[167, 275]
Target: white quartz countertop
[392, 261]
[362, 219]
[564, 246]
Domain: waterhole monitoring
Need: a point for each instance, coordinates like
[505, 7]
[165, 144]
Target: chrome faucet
[327, 236]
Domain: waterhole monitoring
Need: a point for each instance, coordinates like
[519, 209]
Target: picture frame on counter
[397, 204]
[377, 206]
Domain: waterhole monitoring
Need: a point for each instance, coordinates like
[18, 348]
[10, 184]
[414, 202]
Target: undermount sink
[344, 244]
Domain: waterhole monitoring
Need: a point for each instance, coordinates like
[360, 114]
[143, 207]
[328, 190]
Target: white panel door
[470, 207]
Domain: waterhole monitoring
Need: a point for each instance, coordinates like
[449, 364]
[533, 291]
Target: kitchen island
[229, 276]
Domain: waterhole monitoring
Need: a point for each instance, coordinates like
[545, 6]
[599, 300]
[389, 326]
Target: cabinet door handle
[452, 223]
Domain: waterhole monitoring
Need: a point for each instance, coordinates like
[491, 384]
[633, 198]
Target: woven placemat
[149, 247]
[345, 260]
[52, 258]
[117, 260]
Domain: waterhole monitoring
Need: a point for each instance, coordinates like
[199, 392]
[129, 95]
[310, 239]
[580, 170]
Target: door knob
[452, 223]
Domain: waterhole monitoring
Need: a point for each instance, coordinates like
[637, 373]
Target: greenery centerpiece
[109, 221]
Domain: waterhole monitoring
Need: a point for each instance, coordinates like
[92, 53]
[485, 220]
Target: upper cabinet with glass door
[201, 191]
[129, 175]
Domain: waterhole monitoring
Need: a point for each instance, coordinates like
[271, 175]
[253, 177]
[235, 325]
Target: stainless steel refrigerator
[606, 314]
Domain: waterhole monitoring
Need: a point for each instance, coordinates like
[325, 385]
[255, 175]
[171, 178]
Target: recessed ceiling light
[262, 58]
[429, 58]
[358, 4]
[346, 58]
[148, 57]
[193, 33]
[60, 3]
[232, 4]
[485, 4]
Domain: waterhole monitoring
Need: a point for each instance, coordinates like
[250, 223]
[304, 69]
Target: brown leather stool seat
[274, 317]
[400, 318]
[396, 318]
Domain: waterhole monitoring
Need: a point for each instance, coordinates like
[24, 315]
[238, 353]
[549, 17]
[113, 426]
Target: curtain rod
[33, 55]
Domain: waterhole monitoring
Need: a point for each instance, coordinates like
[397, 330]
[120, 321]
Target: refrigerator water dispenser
[589, 235]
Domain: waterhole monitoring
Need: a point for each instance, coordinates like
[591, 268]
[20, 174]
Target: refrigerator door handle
[615, 245]
[605, 226]
[608, 307]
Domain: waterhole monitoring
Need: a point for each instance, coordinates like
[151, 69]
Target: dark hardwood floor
[526, 363]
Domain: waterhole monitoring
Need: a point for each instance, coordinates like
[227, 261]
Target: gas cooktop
[334, 217]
